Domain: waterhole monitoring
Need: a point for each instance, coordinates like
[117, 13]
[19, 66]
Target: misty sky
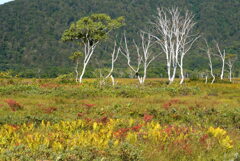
[4, 1]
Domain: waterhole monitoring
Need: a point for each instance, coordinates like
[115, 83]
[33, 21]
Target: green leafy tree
[89, 31]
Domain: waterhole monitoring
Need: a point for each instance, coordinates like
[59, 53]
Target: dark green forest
[31, 30]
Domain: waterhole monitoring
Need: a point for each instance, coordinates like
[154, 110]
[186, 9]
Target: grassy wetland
[52, 119]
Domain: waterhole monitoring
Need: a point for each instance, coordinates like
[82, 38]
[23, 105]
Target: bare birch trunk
[113, 80]
[222, 55]
[83, 72]
[88, 52]
[181, 69]
[230, 74]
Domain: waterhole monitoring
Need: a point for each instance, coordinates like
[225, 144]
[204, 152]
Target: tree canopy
[93, 28]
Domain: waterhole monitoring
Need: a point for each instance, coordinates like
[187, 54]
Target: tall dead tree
[222, 56]
[174, 37]
[187, 39]
[231, 59]
[148, 56]
[114, 56]
[209, 54]
[144, 56]
[125, 51]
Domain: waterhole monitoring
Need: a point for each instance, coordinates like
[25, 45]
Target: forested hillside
[30, 32]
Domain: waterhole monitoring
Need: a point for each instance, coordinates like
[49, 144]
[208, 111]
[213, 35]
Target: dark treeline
[30, 33]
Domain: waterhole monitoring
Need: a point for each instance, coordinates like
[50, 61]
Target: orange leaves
[147, 118]
[14, 105]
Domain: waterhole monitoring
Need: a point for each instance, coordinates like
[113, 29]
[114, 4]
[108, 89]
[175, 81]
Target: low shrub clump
[14, 105]
[107, 137]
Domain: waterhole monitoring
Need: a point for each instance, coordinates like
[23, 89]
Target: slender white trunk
[211, 69]
[206, 79]
[113, 81]
[213, 80]
[145, 57]
[230, 74]
[169, 72]
[83, 72]
[88, 51]
[182, 76]
[114, 59]
[140, 79]
[223, 66]
[145, 73]
[173, 75]
[181, 69]
[222, 55]
[210, 61]
[230, 62]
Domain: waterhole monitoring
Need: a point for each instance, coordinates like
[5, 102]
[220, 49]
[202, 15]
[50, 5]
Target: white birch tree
[174, 37]
[222, 55]
[147, 56]
[186, 38]
[114, 57]
[89, 48]
[144, 56]
[126, 53]
[209, 54]
[231, 59]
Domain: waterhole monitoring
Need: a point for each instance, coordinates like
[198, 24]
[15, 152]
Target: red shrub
[80, 114]
[121, 133]
[49, 110]
[136, 128]
[203, 139]
[177, 130]
[88, 119]
[168, 104]
[1, 105]
[14, 105]
[104, 120]
[168, 130]
[147, 117]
